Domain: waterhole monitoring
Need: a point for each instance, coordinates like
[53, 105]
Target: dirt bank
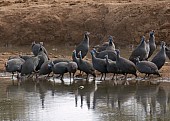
[64, 21]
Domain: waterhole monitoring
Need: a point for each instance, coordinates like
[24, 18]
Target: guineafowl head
[80, 54]
[110, 40]
[50, 65]
[151, 34]
[92, 52]
[137, 60]
[163, 44]
[86, 34]
[117, 52]
[142, 39]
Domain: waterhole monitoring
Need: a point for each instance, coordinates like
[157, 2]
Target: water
[42, 100]
[48, 100]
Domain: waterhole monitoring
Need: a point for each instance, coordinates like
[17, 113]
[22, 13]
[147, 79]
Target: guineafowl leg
[61, 77]
[87, 78]
[73, 76]
[12, 75]
[113, 76]
[104, 76]
[70, 76]
[101, 77]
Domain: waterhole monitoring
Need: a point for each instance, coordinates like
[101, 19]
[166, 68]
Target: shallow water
[42, 100]
[52, 100]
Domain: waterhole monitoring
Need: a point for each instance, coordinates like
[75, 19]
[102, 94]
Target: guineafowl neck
[152, 39]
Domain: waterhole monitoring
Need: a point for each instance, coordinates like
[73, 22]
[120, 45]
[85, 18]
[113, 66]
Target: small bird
[139, 51]
[83, 46]
[99, 65]
[160, 58]
[146, 67]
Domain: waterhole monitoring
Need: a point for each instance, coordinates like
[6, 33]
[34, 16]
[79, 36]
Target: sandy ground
[64, 21]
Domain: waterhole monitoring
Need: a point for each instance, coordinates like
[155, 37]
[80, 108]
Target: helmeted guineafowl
[167, 50]
[160, 58]
[72, 68]
[83, 46]
[59, 68]
[152, 44]
[111, 45]
[42, 58]
[14, 65]
[111, 54]
[146, 67]
[99, 64]
[111, 66]
[139, 51]
[86, 67]
[45, 70]
[29, 66]
[36, 47]
[124, 65]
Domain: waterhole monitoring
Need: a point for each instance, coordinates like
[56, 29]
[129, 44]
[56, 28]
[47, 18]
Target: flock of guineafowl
[105, 59]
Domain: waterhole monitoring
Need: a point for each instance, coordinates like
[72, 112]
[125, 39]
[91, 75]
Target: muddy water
[51, 100]
[42, 100]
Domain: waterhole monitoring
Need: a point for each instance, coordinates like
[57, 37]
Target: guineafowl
[14, 65]
[83, 46]
[111, 66]
[36, 48]
[59, 68]
[86, 67]
[99, 65]
[42, 58]
[152, 44]
[139, 51]
[160, 58]
[45, 70]
[29, 66]
[72, 68]
[111, 45]
[146, 67]
[111, 54]
[124, 65]
[167, 50]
